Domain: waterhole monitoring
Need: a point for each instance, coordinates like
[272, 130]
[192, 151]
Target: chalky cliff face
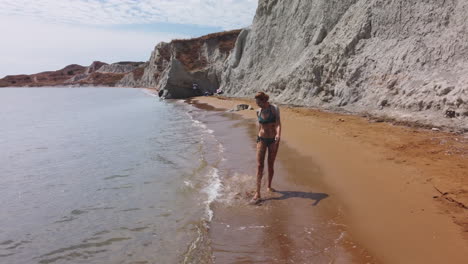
[406, 59]
[174, 67]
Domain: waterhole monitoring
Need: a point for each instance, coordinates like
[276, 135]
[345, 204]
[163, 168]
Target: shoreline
[301, 214]
[384, 117]
[403, 189]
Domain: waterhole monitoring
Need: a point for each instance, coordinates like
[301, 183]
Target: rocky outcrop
[120, 67]
[80, 77]
[97, 74]
[174, 67]
[241, 107]
[49, 78]
[402, 59]
[95, 66]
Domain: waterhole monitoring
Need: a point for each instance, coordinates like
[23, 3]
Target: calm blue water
[95, 175]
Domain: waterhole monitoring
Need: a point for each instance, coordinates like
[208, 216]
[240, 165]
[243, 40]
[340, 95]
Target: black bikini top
[271, 116]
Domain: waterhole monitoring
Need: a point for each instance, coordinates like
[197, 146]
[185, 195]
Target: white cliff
[404, 59]
[401, 59]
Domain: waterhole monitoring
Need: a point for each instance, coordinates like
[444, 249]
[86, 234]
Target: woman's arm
[278, 125]
[258, 124]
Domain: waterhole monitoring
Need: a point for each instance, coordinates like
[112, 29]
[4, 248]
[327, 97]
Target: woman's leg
[261, 150]
[272, 151]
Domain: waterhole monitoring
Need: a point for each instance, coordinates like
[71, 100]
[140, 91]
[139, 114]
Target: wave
[209, 183]
[213, 191]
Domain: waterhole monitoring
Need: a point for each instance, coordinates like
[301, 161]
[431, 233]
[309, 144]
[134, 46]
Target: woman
[268, 138]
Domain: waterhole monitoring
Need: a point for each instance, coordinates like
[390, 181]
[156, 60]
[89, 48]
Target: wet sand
[359, 192]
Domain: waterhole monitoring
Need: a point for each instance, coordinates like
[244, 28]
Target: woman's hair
[262, 96]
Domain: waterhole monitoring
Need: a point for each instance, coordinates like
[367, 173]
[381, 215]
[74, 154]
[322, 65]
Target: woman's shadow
[317, 197]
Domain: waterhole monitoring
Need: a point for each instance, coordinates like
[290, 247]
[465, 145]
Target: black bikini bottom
[267, 141]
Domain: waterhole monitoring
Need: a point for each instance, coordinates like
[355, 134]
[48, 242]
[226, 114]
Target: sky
[43, 35]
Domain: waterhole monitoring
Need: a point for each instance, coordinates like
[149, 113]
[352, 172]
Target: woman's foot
[256, 199]
[271, 189]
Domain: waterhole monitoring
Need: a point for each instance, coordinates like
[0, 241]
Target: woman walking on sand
[268, 138]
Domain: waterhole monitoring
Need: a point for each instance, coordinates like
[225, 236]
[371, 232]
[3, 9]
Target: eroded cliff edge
[174, 67]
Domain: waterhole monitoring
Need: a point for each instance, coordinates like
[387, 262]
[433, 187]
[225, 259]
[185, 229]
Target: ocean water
[95, 175]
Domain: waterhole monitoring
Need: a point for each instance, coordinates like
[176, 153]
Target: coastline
[403, 190]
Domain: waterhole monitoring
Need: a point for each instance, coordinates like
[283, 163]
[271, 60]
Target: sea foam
[213, 191]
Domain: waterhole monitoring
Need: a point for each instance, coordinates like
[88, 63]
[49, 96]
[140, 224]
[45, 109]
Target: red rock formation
[70, 75]
[49, 78]
[101, 79]
[189, 51]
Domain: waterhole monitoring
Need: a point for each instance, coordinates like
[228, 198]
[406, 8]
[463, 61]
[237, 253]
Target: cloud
[30, 46]
[226, 14]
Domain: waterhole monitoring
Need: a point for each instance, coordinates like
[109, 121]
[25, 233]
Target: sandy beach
[399, 193]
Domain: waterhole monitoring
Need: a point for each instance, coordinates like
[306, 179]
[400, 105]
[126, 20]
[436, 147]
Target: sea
[116, 175]
[99, 175]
